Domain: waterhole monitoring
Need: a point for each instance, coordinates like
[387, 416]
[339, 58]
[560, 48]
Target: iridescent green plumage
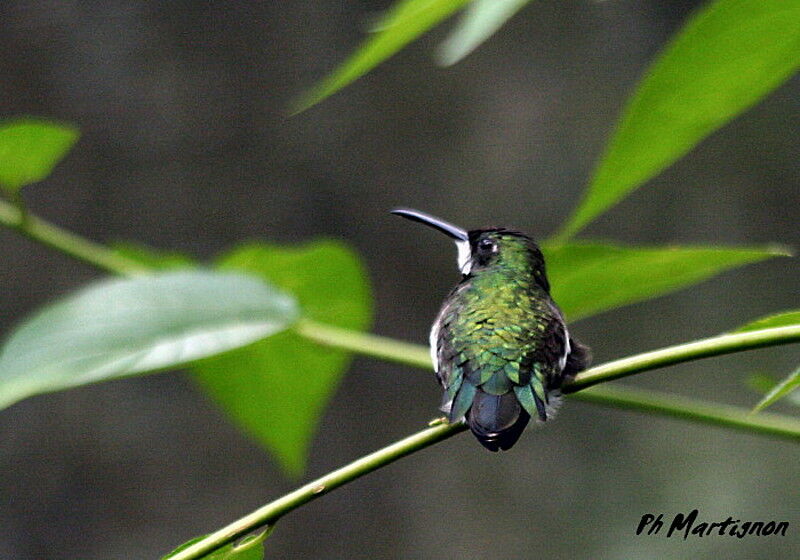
[500, 344]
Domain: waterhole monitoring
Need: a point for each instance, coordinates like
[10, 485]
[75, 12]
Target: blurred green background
[185, 146]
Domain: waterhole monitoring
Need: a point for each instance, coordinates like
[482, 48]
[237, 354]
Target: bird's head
[488, 249]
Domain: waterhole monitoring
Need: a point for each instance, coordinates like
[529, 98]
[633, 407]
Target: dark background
[185, 146]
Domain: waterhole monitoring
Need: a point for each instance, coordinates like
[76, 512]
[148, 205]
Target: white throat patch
[464, 257]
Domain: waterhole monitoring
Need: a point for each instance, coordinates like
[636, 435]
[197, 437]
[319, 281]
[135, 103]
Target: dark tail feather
[578, 360]
[497, 420]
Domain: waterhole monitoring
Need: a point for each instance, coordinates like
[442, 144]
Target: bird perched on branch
[500, 346]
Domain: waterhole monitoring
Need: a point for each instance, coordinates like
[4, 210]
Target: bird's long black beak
[436, 223]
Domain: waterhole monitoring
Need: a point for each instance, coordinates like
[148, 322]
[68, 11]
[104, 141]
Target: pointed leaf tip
[480, 20]
[729, 55]
[779, 391]
[405, 21]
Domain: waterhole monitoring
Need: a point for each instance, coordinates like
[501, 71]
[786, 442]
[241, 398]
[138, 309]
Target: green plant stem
[390, 349]
[621, 397]
[67, 242]
[418, 356]
[675, 406]
[381, 347]
[270, 513]
[706, 348]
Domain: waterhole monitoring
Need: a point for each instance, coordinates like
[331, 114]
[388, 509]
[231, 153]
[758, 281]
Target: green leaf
[404, 22]
[278, 388]
[729, 55]
[778, 320]
[153, 258]
[480, 20]
[588, 278]
[779, 391]
[29, 149]
[121, 327]
[250, 547]
[761, 382]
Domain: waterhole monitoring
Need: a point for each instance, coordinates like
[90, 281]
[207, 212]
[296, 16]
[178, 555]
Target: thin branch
[706, 348]
[67, 242]
[418, 356]
[270, 513]
[381, 347]
[389, 349]
[622, 397]
[676, 406]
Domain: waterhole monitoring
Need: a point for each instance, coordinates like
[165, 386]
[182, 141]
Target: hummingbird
[499, 345]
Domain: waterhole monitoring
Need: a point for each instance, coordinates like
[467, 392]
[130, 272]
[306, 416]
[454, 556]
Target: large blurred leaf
[588, 278]
[278, 388]
[404, 22]
[29, 149]
[778, 320]
[117, 328]
[727, 57]
[782, 389]
[480, 20]
[249, 548]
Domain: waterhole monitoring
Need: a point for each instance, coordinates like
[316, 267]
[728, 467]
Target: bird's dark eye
[485, 249]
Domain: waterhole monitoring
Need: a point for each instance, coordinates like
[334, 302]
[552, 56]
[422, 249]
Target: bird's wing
[540, 368]
[449, 367]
